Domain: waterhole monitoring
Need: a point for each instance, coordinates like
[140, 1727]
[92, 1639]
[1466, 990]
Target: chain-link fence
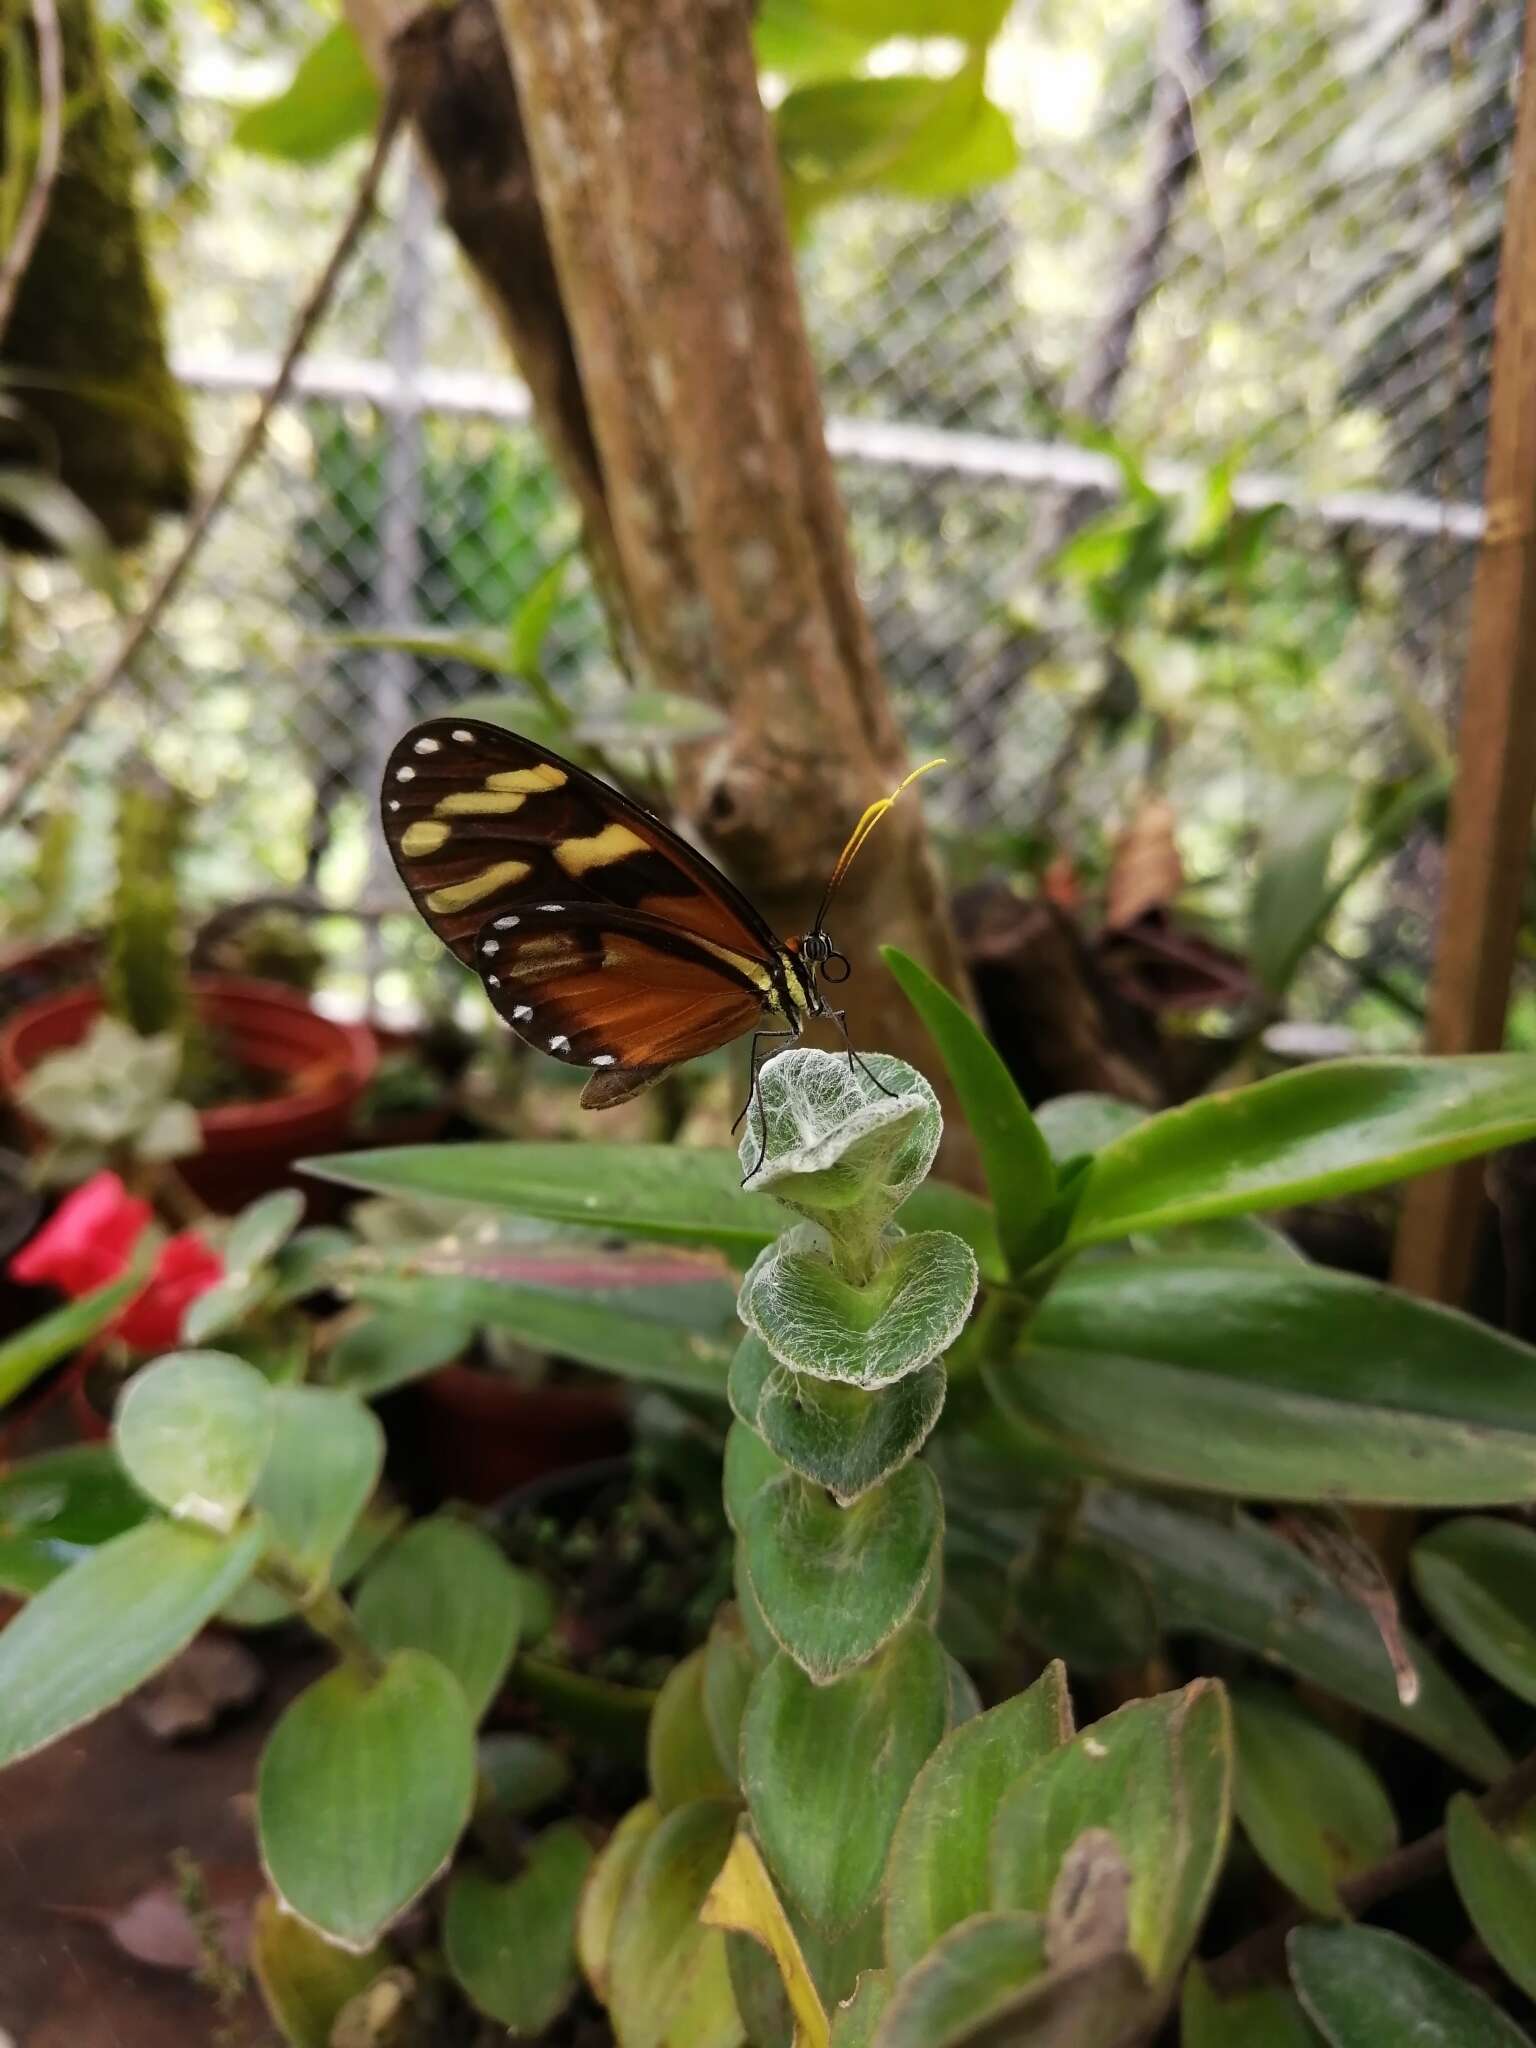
[1247, 260]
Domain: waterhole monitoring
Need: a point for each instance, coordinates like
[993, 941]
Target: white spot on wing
[551, 906]
[505, 924]
[491, 946]
[559, 1043]
[394, 803]
[428, 746]
[460, 734]
[493, 981]
[405, 774]
[522, 1012]
[602, 1059]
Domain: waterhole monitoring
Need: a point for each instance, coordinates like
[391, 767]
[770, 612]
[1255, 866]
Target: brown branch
[1262, 1954]
[36, 759]
[34, 210]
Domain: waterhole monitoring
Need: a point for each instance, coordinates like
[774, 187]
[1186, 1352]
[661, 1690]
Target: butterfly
[600, 936]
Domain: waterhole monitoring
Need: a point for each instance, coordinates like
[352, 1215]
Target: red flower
[184, 1269]
[87, 1241]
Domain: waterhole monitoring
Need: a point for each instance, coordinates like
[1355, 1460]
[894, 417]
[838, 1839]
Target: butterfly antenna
[861, 832]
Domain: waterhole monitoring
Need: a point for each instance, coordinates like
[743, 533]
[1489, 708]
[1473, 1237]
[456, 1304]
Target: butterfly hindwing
[621, 992]
[481, 822]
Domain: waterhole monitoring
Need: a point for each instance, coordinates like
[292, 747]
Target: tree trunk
[683, 409]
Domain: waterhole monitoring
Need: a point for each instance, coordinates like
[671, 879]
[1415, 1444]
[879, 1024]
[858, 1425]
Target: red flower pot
[248, 1147]
[484, 1434]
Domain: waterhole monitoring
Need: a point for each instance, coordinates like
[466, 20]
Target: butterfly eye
[842, 962]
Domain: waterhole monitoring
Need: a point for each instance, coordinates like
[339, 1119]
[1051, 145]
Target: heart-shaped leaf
[937, 1873]
[193, 1431]
[364, 1788]
[825, 1828]
[109, 1623]
[845, 1438]
[1158, 1775]
[446, 1588]
[815, 1322]
[512, 1945]
[836, 1583]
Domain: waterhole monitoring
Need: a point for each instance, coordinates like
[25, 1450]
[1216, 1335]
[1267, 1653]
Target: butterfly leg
[855, 1059]
[759, 1059]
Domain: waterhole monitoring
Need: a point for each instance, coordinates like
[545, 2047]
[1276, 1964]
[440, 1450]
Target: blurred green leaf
[1020, 1177]
[193, 1431]
[364, 1789]
[53, 1336]
[521, 1772]
[324, 1463]
[1363, 1987]
[1259, 1377]
[1477, 1577]
[512, 1945]
[386, 1350]
[445, 1588]
[1308, 1801]
[920, 136]
[1235, 1580]
[1333, 1128]
[825, 1828]
[1290, 886]
[937, 1873]
[305, 1979]
[729, 1669]
[261, 1229]
[533, 618]
[79, 1495]
[667, 1972]
[1495, 1873]
[1158, 1775]
[1073, 1125]
[110, 1622]
[1266, 2018]
[604, 1893]
[332, 99]
[680, 1753]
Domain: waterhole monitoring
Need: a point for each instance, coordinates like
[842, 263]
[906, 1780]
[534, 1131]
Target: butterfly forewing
[480, 821]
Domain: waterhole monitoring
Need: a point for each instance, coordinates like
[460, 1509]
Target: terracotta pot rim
[329, 1063]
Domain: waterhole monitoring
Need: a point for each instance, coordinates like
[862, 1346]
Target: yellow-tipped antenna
[862, 830]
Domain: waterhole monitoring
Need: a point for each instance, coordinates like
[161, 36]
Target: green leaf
[1158, 1775]
[649, 718]
[936, 1876]
[920, 136]
[1073, 1125]
[1259, 1377]
[835, 1584]
[446, 1588]
[512, 1946]
[384, 1351]
[193, 1432]
[109, 1623]
[534, 617]
[856, 2023]
[1240, 1583]
[1020, 1175]
[1290, 887]
[1326, 1130]
[305, 1979]
[323, 1466]
[521, 1773]
[53, 1336]
[1495, 1873]
[1266, 2018]
[815, 1322]
[1308, 1801]
[643, 1191]
[226, 1303]
[844, 1438]
[363, 1791]
[976, 1968]
[823, 1827]
[598, 1909]
[1087, 1606]
[729, 1669]
[1363, 1987]
[680, 1751]
[261, 1230]
[667, 1973]
[845, 1145]
[260, 1605]
[1477, 1577]
[79, 1495]
[749, 1466]
[332, 99]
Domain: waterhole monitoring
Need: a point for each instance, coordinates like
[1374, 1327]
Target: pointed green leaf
[363, 1791]
[1328, 1129]
[835, 1583]
[1308, 1801]
[1020, 1175]
[193, 1431]
[1291, 897]
[109, 1623]
[512, 1945]
[52, 1337]
[1363, 1987]
[1495, 1873]
[680, 1751]
[261, 1230]
[937, 1873]
[1477, 1577]
[446, 1588]
[1156, 1774]
[332, 98]
[825, 1828]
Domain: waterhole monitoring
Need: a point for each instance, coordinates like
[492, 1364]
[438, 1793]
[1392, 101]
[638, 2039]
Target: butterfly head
[820, 957]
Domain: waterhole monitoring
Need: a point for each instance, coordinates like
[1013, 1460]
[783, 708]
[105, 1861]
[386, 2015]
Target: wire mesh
[1315, 323]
